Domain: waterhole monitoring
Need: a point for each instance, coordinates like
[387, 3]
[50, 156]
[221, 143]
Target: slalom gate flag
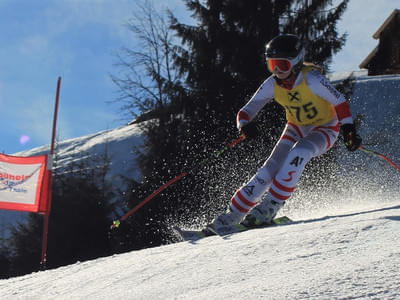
[24, 183]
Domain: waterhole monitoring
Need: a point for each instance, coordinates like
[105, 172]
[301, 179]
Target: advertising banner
[24, 183]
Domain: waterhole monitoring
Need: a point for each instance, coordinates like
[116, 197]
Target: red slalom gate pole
[47, 214]
[116, 223]
[381, 156]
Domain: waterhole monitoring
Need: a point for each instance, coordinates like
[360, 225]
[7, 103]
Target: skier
[314, 109]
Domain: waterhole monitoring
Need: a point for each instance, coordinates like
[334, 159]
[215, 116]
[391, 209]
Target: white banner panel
[21, 182]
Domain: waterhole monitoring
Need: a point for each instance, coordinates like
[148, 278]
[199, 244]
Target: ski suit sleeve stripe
[242, 116]
[321, 86]
[262, 96]
[343, 111]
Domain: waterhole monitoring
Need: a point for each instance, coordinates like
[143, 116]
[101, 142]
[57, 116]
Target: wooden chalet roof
[365, 62]
[376, 36]
[385, 24]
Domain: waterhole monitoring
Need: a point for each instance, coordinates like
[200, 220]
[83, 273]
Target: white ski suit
[314, 109]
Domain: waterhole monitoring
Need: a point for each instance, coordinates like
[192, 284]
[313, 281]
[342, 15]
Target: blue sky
[78, 40]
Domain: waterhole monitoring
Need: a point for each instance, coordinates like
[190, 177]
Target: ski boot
[227, 218]
[263, 213]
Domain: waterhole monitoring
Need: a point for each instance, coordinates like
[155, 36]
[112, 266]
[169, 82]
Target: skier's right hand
[249, 130]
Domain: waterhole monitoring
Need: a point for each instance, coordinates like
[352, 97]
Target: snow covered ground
[347, 253]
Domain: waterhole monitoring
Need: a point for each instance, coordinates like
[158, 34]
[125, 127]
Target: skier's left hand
[249, 130]
[352, 140]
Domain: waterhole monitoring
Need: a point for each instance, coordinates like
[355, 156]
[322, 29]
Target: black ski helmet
[286, 46]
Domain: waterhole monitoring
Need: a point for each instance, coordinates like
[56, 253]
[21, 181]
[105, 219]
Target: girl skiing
[314, 109]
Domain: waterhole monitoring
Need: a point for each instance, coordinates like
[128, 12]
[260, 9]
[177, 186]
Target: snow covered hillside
[347, 253]
[118, 144]
[376, 103]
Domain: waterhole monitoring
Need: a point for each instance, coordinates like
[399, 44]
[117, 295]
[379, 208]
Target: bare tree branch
[147, 70]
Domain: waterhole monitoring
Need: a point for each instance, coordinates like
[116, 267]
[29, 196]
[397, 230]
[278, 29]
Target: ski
[235, 228]
[195, 235]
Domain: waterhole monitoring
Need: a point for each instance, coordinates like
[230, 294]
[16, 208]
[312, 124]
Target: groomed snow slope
[349, 254]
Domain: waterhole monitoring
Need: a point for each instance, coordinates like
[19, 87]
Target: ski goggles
[280, 64]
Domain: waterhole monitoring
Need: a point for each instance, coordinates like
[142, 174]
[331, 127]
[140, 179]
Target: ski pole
[381, 156]
[116, 223]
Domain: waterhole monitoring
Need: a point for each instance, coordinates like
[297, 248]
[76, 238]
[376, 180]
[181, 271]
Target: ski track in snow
[351, 255]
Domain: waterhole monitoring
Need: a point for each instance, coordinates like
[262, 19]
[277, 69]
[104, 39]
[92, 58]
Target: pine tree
[223, 57]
